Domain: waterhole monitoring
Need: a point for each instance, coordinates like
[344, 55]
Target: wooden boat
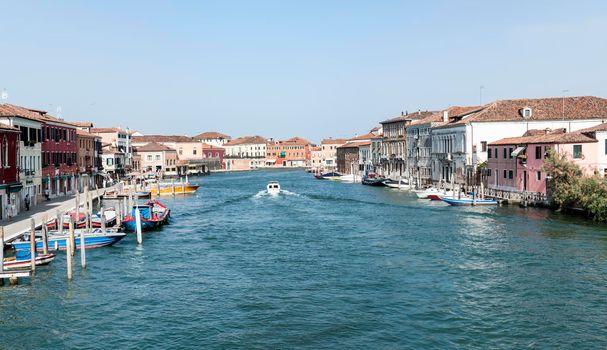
[153, 215]
[431, 193]
[125, 194]
[467, 201]
[24, 261]
[58, 241]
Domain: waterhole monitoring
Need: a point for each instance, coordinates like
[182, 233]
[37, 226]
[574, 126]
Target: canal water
[325, 265]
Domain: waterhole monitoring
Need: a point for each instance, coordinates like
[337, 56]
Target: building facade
[59, 157]
[294, 152]
[245, 153]
[10, 186]
[213, 138]
[119, 139]
[30, 151]
[329, 153]
[88, 158]
[394, 148]
[157, 159]
[516, 164]
[460, 145]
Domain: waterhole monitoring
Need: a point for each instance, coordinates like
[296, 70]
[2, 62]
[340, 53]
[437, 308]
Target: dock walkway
[21, 223]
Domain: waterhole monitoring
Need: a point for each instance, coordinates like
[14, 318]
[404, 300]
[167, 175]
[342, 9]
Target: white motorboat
[273, 187]
[432, 193]
[399, 185]
[350, 178]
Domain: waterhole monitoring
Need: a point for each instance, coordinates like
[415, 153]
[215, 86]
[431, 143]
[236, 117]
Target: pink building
[516, 163]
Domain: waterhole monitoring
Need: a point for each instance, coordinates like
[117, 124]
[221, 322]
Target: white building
[245, 153]
[461, 144]
[213, 138]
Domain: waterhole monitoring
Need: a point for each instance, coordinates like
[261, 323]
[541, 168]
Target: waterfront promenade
[21, 222]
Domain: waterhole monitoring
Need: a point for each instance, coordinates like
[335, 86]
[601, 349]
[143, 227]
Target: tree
[565, 183]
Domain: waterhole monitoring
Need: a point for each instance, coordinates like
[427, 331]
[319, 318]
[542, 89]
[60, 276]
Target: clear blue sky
[284, 68]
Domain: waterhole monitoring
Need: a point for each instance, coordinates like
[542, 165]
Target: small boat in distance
[467, 201]
[399, 185]
[329, 176]
[373, 179]
[273, 187]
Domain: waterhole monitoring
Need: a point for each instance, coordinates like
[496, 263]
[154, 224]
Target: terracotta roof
[85, 134]
[452, 112]
[153, 147]
[333, 141]
[600, 127]
[8, 110]
[547, 137]
[363, 137]
[211, 135]
[8, 127]
[355, 144]
[163, 138]
[408, 116]
[315, 148]
[82, 124]
[106, 130]
[246, 140]
[575, 108]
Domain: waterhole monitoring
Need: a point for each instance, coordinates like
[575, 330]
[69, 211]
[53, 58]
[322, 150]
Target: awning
[518, 150]
[14, 188]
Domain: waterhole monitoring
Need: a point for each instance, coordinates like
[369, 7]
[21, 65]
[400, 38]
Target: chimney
[445, 116]
[419, 112]
[402, 114]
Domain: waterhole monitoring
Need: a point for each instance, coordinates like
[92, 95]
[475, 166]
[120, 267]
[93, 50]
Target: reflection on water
[324, 264]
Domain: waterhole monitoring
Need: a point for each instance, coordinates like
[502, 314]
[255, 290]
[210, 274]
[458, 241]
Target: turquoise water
[326, 265]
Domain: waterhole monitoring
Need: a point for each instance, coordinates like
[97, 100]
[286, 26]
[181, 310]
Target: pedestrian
[27, 202]
[47, 195]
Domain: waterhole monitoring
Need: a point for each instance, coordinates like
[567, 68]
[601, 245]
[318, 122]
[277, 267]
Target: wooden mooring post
[70, 248]
[33, 245]
[44, 235]
[82, 245]
[138, 226]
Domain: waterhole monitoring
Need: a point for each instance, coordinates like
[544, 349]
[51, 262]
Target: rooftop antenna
[480, 95]
[59, 112]
[4, 95]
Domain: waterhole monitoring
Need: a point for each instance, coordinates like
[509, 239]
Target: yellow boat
[169, 189]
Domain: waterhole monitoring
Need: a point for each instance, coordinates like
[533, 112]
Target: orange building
[294, 152]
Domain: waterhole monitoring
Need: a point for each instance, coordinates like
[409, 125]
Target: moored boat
[58, 241]
[401, 185]
[23, 261]
[350, 178]
[153, 214]
[467, 201]
[169, 188]
[373, 179]
[80, 222]
[334, 175]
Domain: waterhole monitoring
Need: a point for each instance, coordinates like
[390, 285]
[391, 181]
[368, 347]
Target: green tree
[593, 193]
[566, 179]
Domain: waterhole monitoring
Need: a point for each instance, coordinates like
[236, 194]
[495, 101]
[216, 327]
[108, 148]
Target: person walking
[27, 202]
[46, 194]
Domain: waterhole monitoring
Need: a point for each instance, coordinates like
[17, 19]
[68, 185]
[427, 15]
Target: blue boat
[95, 239]
[467, 201]
[153, 215]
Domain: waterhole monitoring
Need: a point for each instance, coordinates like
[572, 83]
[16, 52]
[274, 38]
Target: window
[510, 174]
[510, 150]
[605, 146]
[158, 157]
[538, 152]
[483, 146]
[149, 157]
[505, 153]
[489, 153]
[194, 151]
[539, 176]
[505, 174]
[577, 151]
